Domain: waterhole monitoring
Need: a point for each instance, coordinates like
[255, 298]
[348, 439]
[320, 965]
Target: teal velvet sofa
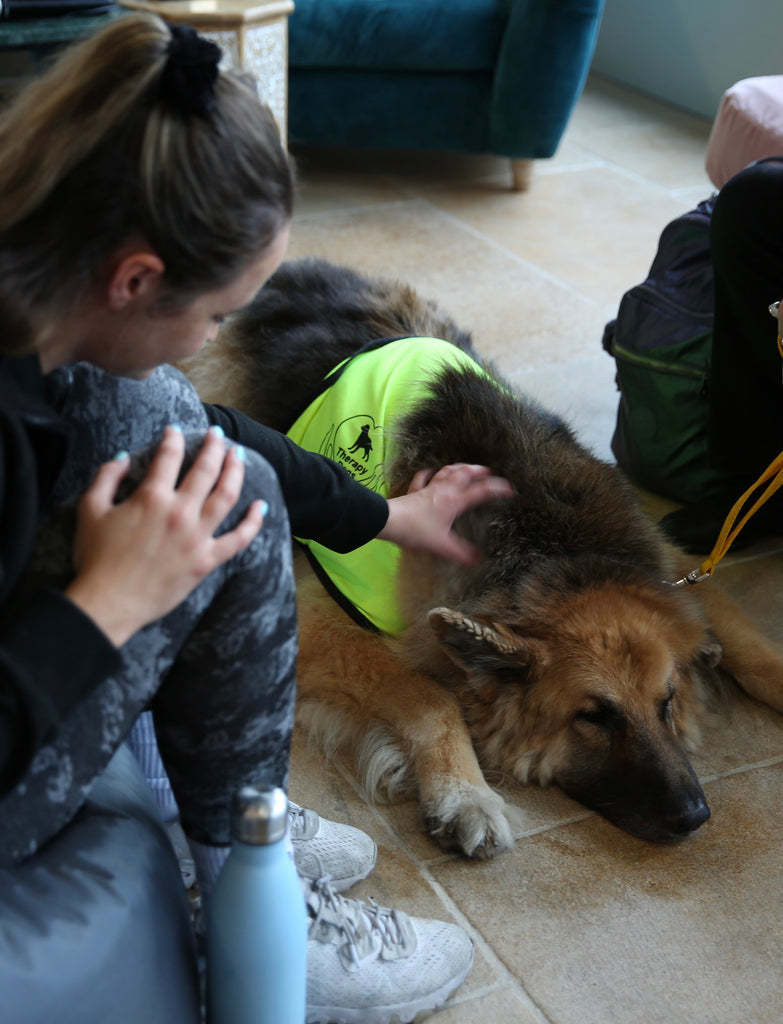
[479, 76]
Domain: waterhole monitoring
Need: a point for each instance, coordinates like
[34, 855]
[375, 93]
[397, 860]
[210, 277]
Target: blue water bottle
[256, 920]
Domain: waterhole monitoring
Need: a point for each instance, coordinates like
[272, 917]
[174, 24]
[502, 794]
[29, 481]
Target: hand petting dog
[423, 519]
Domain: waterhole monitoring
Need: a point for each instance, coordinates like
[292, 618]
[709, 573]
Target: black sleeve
[52, 656]
[324, 502]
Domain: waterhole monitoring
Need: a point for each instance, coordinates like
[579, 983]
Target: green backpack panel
[661, 342]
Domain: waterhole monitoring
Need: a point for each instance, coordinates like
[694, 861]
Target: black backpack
[661, 342]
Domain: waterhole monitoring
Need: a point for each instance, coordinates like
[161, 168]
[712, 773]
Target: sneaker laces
[302, 823]
[363, 931]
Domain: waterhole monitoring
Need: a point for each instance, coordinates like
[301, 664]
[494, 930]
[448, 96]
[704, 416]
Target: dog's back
[311, 315]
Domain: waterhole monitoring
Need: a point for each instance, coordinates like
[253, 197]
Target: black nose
[689, 818]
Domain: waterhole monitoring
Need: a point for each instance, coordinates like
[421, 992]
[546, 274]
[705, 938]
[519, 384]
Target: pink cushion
[748, 126]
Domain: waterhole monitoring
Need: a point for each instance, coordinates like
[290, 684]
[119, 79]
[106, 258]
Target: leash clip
[694, 576]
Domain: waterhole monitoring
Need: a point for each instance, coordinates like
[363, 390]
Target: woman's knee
[112, 413]
[260, 484]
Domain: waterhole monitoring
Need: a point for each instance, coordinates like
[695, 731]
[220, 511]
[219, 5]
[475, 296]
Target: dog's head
[598, 692]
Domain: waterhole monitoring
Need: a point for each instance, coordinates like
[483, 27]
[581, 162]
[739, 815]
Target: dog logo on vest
[357, 444]
[362, 442]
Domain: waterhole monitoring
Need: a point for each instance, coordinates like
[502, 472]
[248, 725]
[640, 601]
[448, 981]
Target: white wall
[688, 52]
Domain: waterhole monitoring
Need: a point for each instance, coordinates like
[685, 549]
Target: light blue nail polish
[217, 431]
[176, 426]
[240, 452]
[120, 456]
[264, 507]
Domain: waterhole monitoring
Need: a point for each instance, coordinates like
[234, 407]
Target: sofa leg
[521, 172]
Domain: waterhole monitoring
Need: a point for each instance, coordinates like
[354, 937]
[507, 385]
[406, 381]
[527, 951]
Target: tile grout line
[732, 560]
[417, 198]
[770, 762]
[486, 949]
[478, 994]
[639, 179]
[444, 858]
[513, 985]
[352, 211]
[519, 260]
[422, 865]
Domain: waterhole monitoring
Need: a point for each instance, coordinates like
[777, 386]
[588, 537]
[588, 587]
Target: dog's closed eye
[602, 714]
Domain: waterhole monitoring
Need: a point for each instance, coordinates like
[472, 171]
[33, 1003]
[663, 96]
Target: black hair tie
[187, 83]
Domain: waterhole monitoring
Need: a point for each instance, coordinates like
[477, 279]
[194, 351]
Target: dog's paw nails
[476, 830]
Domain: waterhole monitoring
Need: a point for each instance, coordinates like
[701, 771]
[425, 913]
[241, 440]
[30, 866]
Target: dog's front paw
[477, 822]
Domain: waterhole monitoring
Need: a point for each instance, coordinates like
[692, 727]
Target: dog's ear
[711, 651]
[480, 648]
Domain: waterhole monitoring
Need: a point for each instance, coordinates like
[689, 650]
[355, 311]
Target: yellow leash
[774, 474]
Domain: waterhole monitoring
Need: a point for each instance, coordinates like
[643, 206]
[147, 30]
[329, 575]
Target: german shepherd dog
[562, 658]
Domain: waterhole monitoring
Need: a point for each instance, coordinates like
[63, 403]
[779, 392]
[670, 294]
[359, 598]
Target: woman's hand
[137, 560]
[422, 519]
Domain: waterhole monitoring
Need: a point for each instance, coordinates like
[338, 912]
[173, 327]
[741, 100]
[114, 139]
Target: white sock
[144, 745]
[208, 862]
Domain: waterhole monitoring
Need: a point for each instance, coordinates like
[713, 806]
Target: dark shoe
[695, 528]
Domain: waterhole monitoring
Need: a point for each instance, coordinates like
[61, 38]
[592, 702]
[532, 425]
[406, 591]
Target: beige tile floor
[580, 923]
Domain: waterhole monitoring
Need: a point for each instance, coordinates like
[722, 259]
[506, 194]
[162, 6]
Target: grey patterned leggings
[217, 673]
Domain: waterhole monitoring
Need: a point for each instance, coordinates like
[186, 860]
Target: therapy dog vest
[351, 422]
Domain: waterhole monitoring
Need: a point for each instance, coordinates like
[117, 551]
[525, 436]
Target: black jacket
[51, 654]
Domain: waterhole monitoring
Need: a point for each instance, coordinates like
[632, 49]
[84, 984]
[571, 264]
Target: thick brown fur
[563, 658]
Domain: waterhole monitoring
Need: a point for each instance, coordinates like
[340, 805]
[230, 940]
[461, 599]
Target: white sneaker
[366, 964]
[321, 847]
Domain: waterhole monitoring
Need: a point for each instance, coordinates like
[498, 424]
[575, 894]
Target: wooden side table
[253, 35]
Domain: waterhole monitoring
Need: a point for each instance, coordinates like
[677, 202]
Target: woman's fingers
[460, 472]
[208, 490]
[421, 479]
[226, 490]
[166, 463]
[477, 484]
[102, 491]
[462, 484]
[206, 495]
[230, 544]
[206, 468]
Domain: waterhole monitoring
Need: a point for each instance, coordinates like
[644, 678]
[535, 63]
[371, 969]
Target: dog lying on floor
[563, 658]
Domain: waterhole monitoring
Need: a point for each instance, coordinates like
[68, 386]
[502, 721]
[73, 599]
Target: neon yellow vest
[350, 422]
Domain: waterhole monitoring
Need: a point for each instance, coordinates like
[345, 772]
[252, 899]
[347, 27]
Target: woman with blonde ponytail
[145, 557]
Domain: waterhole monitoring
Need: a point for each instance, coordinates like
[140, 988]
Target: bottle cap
[259, 816]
